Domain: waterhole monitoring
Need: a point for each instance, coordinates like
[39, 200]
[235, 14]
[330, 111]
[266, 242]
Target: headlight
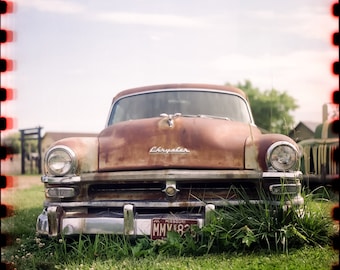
[282, 156]
[60, 160]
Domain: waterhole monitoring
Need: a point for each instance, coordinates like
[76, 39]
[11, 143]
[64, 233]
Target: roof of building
[310, 125]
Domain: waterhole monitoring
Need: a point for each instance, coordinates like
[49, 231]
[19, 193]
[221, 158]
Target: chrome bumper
[51, 222]
[54, 221]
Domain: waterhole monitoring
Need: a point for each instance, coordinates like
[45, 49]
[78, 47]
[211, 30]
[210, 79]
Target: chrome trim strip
[60, 180]
[284, 175]
[60, 192]
[171, 174]
[153, 205]
[285, 189]
[156, 175]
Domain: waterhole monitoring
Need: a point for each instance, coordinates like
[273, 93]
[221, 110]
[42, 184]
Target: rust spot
[212, 144]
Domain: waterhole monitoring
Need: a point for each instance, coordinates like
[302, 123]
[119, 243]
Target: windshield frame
[193, 89]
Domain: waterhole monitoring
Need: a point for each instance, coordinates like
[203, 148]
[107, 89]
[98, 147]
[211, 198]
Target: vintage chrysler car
[168, 157]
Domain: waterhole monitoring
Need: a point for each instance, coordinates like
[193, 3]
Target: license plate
[160, 227]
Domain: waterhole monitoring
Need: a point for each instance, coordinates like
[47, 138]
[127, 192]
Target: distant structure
[303, 131]
[317, 163]
[30, 159]
[26, 135]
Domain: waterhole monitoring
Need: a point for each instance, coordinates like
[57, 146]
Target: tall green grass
[247, 234]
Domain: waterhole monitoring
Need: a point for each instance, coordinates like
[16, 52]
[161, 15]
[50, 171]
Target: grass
[305, 258]
[245, 237]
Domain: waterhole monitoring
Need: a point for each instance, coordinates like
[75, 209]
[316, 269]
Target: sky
[72, 56]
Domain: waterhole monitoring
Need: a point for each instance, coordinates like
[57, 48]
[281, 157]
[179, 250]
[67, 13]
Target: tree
[12, 141]
[271, 108]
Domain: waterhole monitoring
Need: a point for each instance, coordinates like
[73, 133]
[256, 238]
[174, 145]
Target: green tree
[13, 142]
[271, 108]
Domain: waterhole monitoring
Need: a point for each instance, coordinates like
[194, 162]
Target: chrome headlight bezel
[60, 160]
[283, 156]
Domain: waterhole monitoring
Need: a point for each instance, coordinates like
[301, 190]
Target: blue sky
[73, 56]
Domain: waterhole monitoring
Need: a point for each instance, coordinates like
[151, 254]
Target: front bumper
[51, 222]
[63, 217]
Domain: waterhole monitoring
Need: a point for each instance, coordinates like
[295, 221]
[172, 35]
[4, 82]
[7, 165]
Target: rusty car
[318, 162]
[169, 156]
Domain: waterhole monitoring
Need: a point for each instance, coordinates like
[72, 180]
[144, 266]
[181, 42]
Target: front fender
[256, 149]
[86, 150]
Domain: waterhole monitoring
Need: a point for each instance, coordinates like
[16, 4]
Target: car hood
[191, 142]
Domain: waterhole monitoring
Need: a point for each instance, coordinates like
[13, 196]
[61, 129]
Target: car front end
[167, 159]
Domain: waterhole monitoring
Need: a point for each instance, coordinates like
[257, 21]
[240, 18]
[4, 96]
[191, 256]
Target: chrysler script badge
[161, 150]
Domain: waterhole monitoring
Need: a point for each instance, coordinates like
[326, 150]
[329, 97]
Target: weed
[244, 229]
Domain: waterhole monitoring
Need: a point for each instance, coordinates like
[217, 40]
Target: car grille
[186, 191]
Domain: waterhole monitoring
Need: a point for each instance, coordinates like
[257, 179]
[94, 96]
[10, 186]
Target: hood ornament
[171, 118]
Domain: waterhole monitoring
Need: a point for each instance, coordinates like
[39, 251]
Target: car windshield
[191, 103]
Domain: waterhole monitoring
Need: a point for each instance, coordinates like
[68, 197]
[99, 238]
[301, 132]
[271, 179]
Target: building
[303, 131]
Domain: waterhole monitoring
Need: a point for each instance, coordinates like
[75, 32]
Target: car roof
[183, 86]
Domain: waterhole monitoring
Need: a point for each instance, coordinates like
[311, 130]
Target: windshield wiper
[204, 116]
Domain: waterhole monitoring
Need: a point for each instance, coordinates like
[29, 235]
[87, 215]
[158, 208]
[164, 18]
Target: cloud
[132, 18]
[313, 22]
[53, 6]
[299, 72]
[305, 75]
[150, 19]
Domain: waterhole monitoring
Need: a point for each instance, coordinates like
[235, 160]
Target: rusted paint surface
[210, 143]
[86, 149]
[256, 149]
